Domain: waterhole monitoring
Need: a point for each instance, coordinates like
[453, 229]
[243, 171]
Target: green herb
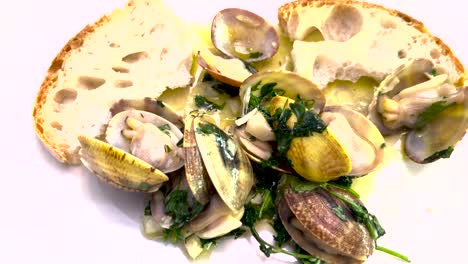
[148, 207]
[267, 208]
[181, 210]
[210, 243]
[383, 145]
[343, 181]
[393, 253]
[339, 211]
[167, 149]
[173, 235]
[207, 77]
[255, 55]
[178, 206]
[206, 129]
[431, 113]
[252, 138]
[249, 219]
[180, 143]
[267, 89]
[250, 67]
[434, 72]
[165, 128]
[282, 131]
[443, 154]
[282, 236]
[202, 102]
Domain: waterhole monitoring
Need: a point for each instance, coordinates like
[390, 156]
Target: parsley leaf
[202, 102]
[443, 154]
[431, 113]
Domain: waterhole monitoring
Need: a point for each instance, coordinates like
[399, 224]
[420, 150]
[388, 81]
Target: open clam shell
[287, 83]
[118, 124]
[151, 105]
[361, 138]
[119, 168]
[311, 220]
[228, 167]
[196, 174]
[438, 138]
[242, 34]
[231, 71]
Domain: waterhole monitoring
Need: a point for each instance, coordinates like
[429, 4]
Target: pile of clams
[284, 118]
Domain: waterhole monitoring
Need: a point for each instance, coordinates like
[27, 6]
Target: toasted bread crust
[50, 82]
[50, 123]
[286, 10]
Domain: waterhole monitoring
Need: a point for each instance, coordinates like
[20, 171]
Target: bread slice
[359, 39]
[134, 52]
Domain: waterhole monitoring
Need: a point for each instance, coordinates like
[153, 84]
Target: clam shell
[319, 157]
[291, 83]
[445, 131]
[151, 105]
[228, 167]
[311, 221]
[242, 34]
[366, 131]
[119, 168]
[196, 174]
[230, 71]
[117, 123]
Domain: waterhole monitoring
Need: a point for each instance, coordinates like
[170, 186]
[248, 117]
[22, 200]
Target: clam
[359, 136]
[311, 220]
[231, 71]
[228, 168]
[283, 83]
[196, 174]
[438, 138]
[424, 101]
[151, 105]
[242, 34]
[216, 220]
[140, 149]
[409, 91]
[325, 143]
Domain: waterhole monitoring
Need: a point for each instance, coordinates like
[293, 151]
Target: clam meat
[139, 149]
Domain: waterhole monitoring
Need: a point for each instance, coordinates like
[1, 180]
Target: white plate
[51, 213]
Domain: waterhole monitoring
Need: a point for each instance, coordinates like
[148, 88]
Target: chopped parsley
[255, 55]
[180, 143]
[167, 149]
[182, 211]
[443, 154]
[431, 113]
[165, 128]
[207, 129]
[202, 102]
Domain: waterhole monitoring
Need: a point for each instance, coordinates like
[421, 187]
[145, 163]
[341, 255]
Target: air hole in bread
[388, 23]
[324, 66]
[313, 34]
[65, 96]
[90, 83]
[435, 54]
[114, 45]
[402, 54]
[123, 83]
[121, 69]
[135, 57]
[343, 23]
[56, 125]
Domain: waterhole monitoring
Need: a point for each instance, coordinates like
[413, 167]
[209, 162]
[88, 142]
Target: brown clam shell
[311, 221]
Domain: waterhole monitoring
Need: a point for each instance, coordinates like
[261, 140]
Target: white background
[51, 213]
